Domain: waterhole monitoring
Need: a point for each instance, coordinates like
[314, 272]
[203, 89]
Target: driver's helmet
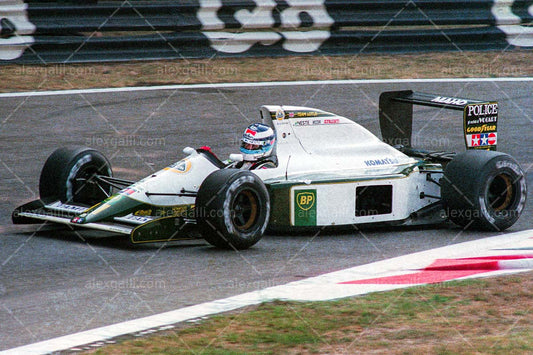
[257, 142]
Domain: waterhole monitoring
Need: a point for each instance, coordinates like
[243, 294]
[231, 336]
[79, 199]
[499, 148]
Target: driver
[257, 145]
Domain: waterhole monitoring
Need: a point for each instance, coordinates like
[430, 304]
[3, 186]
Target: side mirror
[189, 150]
[236, 157]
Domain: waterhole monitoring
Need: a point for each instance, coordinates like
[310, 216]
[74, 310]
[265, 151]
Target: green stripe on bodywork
[161, 230]
[116, 205]
[120, 205]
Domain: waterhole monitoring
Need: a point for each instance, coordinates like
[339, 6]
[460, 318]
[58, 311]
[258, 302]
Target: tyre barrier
[71, 31]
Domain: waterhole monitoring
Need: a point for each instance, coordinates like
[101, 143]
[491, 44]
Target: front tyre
[484, 189]
[69, 175]
[232, 209]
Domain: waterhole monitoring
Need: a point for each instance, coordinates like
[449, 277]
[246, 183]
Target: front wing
[141, 229]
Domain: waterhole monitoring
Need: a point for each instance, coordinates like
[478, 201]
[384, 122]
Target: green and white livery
[329, 171]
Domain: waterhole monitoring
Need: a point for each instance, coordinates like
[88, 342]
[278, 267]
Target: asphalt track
[55, 282]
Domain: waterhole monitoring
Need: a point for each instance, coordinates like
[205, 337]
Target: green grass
[446, 318]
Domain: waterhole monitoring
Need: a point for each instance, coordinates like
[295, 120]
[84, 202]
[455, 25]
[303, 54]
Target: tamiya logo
[482, 140]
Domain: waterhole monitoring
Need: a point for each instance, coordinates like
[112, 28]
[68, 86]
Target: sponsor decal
[483, 110]
[482, 128]
[301, 114]
[316, 122]
[305, 207]
[481, 140]
[385, 161]
[68, 208]
[306, 114]
[181, 167]
[147, 212]
[134, 218]
[450, 101]
[305, 200]
[304, 123]
[127, 191]
[480, 125]
[77, 220]
[280, 114]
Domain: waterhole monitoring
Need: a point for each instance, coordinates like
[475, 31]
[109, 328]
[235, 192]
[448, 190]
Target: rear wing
[480, 118]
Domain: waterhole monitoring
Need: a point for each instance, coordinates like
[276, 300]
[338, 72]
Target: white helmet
[257, 141]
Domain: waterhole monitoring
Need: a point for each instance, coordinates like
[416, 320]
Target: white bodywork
[333, 156]
[185, 175]
[331, 171]
[327, 143]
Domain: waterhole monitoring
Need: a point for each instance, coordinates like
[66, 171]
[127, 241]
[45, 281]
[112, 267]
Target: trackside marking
[507, 250]
[450, 269]
[258, 84]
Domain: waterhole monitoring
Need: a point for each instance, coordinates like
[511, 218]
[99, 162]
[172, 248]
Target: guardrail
[84, 31]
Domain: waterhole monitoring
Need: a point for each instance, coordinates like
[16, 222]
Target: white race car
[330, 172]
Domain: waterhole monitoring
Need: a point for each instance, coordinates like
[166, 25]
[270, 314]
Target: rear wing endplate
[480, 118]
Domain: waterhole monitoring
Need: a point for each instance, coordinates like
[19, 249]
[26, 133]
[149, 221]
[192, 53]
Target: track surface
[55, 282]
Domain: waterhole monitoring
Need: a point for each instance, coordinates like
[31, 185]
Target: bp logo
[305, 200]
[304, 208]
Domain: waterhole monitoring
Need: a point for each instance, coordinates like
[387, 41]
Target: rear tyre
[232, 209]
[484, 189]
[69, 174]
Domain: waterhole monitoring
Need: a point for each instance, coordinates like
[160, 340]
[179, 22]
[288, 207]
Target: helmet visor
[250, 146]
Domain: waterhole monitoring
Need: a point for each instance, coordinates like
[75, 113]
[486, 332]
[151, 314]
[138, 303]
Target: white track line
[323, 287]
[260, 84]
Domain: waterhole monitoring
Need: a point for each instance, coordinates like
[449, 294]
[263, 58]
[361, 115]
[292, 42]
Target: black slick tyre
[69, 174]
[484, 190]
[232, 209]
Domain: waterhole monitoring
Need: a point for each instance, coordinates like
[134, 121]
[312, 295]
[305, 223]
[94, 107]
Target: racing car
[330, 171]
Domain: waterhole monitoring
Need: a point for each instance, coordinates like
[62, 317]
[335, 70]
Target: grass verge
[363, 66]
[481, 316]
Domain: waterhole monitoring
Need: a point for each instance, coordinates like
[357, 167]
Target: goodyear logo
[305, 208]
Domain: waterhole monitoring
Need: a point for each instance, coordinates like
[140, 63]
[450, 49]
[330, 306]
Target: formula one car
[330, 172]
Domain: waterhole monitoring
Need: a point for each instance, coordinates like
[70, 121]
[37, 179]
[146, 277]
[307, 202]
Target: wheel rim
[501, 191]
[85, 188]
[245, 210]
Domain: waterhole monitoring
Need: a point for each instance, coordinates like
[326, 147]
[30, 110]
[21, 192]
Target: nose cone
[114, 206]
